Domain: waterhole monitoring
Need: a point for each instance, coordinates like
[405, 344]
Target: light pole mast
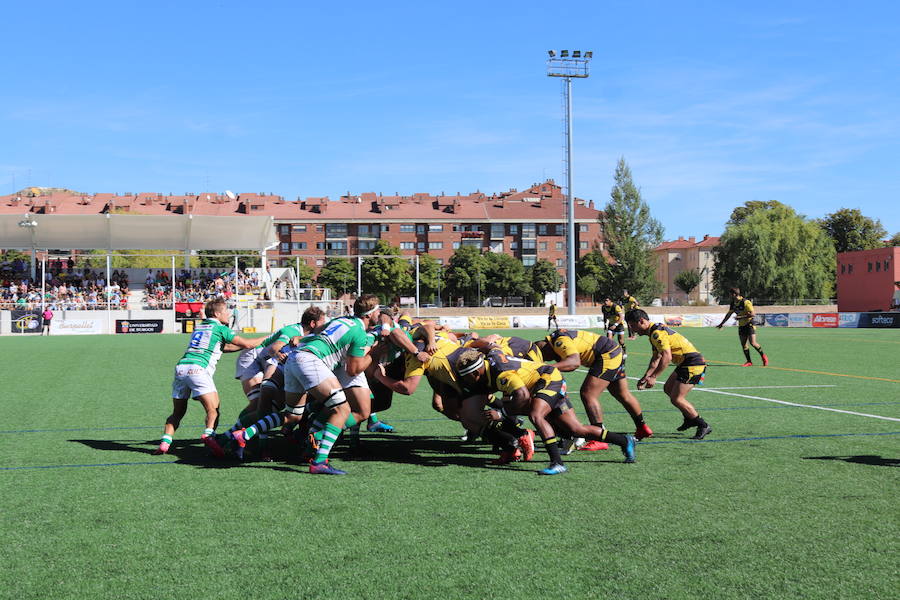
[568, 67]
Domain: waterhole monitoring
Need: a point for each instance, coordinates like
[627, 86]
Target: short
[383, 396]
[304, 370]
[691, 375]
[610, 366]
[617, 328]
[551, 388]
[191, 381]
[746, 330]
[349, 381]
[246, 367]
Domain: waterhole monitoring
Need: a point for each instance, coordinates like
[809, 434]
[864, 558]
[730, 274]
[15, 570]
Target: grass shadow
[861, 459]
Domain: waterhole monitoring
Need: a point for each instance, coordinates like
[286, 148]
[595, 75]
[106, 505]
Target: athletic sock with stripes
[552, 447]
[267, 423]
[329, 436]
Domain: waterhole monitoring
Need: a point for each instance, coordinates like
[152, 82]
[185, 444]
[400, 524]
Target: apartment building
[682, 255]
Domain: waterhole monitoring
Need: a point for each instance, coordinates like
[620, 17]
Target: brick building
[865, 279]
[528, 225]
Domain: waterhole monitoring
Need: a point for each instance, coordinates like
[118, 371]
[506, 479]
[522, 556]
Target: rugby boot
[594, 445]
[642, 432]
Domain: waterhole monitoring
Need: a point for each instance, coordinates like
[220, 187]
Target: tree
[305, 274]
[740, 214]
[775, 254]
[545, 279]
[387, 274]
[592, 273]
[895, 240]
[430, 276]
[338, 275]
[631, 234]
[687, 280]
[505, 276]
[850, 230]
[224, 259]
[464, 274]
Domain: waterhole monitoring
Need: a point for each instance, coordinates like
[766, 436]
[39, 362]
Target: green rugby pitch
[780, 501]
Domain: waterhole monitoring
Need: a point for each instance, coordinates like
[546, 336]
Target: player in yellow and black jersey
[511, 346]
[605, 361]
[614, 319]
[629, 303]
[552, 323]
[669, 346]
[539, 391]
[742, 309]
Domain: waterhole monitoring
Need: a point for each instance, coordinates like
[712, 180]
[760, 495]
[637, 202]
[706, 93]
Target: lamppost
[29, 223]
[569, 67]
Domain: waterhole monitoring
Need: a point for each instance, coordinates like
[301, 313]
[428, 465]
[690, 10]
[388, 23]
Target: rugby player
[629, 303]
[552, 322]
[194, 372]
[538, 391]
[742, 309]
[670, 346]
[614, 320]
[605, 361]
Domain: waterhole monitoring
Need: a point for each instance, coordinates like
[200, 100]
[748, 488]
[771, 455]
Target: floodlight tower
[569, 67]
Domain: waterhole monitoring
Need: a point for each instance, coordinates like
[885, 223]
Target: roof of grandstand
[136, 232]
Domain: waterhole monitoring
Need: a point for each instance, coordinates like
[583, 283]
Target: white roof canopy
[136, 232]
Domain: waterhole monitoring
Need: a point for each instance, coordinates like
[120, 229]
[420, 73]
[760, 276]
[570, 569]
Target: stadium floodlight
[568, 68]
[552, 53]
[29, 223]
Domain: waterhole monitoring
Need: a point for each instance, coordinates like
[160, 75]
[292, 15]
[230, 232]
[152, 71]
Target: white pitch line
[749, 387]
[846, 412]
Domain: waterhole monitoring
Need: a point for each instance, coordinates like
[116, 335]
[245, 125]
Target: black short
[746, 330]
[383, 396]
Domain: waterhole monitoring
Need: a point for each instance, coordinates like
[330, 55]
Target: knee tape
[296, 410]
[336, 398]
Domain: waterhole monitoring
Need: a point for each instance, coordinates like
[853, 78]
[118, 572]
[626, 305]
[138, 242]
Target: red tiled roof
[681, 243]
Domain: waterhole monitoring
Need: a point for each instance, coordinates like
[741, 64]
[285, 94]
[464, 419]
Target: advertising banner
[824, 320]
[139, 326]
[530, 321]
[26, 321]
[799, 320]
[880, 320]
[692, 321]
[777, 320]
[454, 322]
[188, 310]
[491, 322]
[848, 320]
[76, 326]
[576, 321]
[674, 320]
[759, 320]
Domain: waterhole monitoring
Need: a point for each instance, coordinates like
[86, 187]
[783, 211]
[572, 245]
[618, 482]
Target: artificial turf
[780, 501]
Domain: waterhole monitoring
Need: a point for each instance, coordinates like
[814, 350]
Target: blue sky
[712, 104]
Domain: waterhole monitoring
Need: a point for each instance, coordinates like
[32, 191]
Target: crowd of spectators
[198, 285]
[64, 287]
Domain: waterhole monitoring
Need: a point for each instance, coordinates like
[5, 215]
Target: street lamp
[569, 68]
[29, 223]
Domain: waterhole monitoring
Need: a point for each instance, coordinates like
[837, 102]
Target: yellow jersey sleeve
[565, 346]
[414, 367]
[660, 341]
[509, 381]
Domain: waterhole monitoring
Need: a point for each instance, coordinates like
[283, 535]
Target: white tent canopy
[136, 232]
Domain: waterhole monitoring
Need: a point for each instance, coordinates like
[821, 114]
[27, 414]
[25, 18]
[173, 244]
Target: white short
[304, 370]
[192, 381]
[358, 380]
[251, 363]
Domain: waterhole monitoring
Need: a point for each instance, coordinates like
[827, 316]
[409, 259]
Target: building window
[367, 245]
[583, 245]
[336, 230]
[583, 228]
[513, 230]
[850, 269]
[319, 262]
[843, 269]
[559, 245]
[407, 245]
[528, 261]
[336, 248]
[299, 245]
[475, 243]
[439, 261]
[435, 228]
[368, 230]
[542, 230]
[560, 229]
[877, 267]
[514, 245]
[285, 247]
[299, 228]
[870, 267]
[528, 230]
[455, 245]
[284, 229]
[420, 229]
[887, 264]
[435, 245]
[529, 244]
[560, 262]
[407, 228]
[542, 246]
[319, 228]
[385, 228]
[320, 245]
[420, 247]
[497, 231]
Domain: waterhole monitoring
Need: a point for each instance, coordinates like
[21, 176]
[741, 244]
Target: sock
[747, 354]
[208, 432]
[316, 426]
[614, 438]
[350, 423]
[552, 447]
[373, 419]
[638, 419]
[267, 423]
[165, 442]
[329, 437]
[760, 350]
[499, 438]
[699, 422]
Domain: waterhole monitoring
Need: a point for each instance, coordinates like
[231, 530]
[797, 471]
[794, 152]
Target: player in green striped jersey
[194, 372]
